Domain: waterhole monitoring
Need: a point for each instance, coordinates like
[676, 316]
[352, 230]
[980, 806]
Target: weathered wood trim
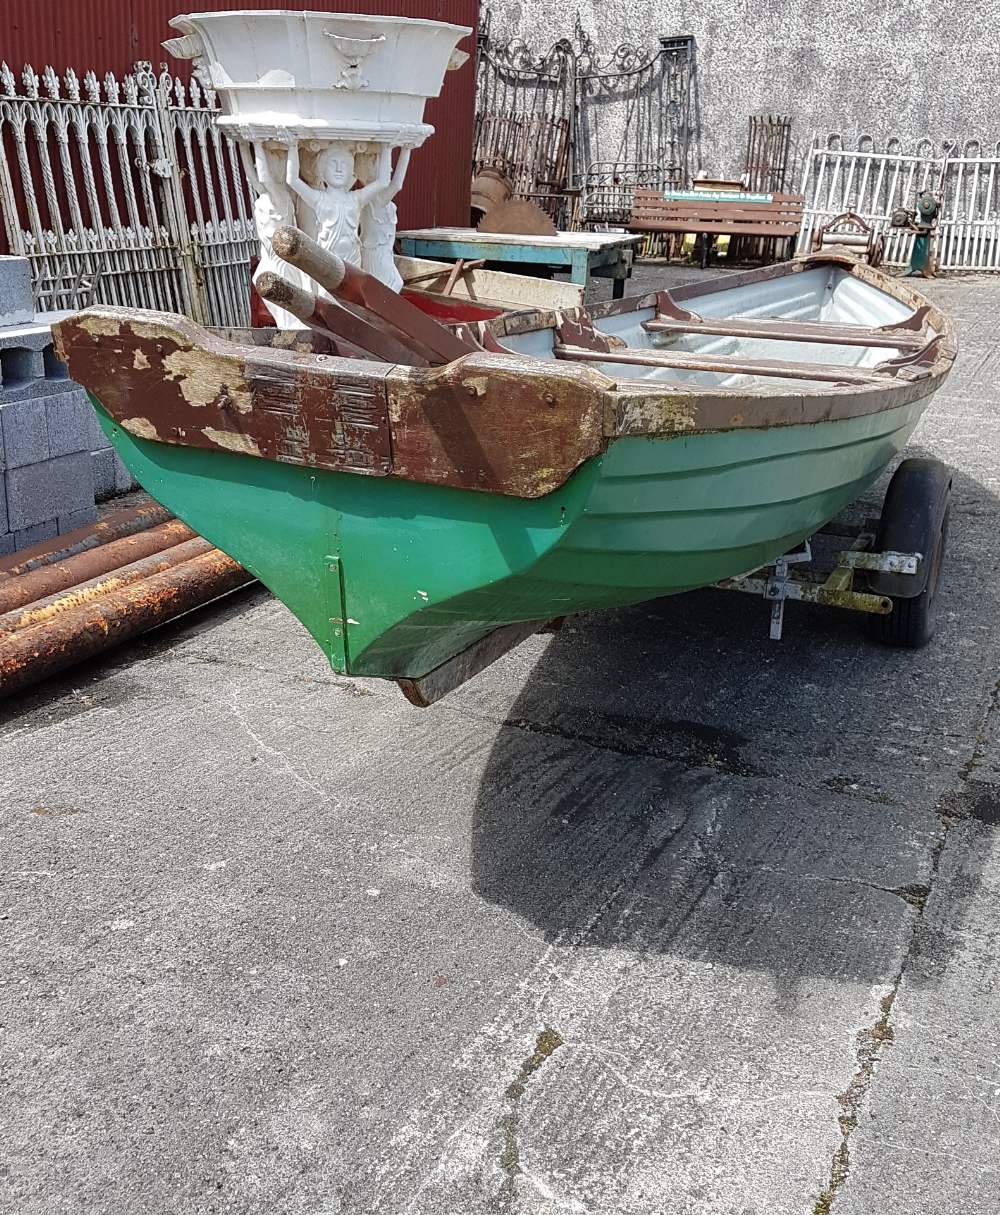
[496, 422]
[451, 674]
[887, 338]
[723, 364]
[490, 421]
[165, 378]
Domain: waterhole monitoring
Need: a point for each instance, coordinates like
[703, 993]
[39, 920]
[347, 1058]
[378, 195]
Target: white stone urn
[319, 100]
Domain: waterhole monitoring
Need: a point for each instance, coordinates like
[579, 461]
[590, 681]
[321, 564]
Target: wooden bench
[778, 219]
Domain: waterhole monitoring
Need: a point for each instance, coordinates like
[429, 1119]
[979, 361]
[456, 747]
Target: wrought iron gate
[568, 124]
[769, 140]
[524, 117]
[633, 124]
[124, 192]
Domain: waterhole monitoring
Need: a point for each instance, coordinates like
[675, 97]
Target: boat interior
[812, 325]
[823, 325]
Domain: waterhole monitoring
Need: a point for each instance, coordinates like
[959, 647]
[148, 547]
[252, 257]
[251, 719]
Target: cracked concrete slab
[653, 916]
[928, 1139]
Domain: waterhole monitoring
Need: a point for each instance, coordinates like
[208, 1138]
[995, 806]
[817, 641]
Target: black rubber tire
[914, 518]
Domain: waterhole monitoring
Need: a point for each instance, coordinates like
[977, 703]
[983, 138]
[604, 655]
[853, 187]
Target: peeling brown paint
[490, 420]
[232, 441]
[202, 382]
[142, 428]
[100, 326]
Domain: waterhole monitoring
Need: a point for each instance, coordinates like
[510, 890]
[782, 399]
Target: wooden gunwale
[493, 422]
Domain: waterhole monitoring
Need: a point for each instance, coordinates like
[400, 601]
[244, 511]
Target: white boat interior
[822, 326]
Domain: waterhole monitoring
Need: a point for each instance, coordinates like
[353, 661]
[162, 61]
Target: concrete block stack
[55, 461]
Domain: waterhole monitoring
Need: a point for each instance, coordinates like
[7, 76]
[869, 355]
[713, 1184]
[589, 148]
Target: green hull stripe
[391, 578]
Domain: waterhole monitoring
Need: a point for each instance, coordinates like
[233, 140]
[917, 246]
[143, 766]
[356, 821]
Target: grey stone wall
[851, 66]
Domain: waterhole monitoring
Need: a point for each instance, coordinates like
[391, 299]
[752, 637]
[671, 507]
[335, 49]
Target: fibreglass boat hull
[395, 575]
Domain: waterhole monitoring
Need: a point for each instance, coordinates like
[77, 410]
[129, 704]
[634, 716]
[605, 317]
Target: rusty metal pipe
[58, 576]
[113, 527]
[35, 653]
[49, 607]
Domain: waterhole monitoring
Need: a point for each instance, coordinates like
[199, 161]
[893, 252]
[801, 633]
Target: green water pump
[922, 223]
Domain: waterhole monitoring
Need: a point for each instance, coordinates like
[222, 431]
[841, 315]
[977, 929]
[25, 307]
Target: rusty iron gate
[875, 182]
[579, 132]
[633, 124]
[769, 141]
[124, 192]
[525, 105]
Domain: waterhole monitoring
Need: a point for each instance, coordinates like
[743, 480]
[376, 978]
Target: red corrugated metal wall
[110, 35]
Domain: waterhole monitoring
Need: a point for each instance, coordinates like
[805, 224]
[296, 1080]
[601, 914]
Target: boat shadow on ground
[670, 780]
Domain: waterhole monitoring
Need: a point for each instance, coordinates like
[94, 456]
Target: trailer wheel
[914, 518]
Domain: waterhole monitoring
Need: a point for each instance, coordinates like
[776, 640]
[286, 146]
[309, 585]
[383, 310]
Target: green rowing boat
[422, 514]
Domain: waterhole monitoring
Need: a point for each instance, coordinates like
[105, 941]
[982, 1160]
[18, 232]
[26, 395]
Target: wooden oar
[337, 323]
[352, 284]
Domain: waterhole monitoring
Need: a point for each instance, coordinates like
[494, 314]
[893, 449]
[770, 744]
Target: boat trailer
[780, 582]
[895, 559]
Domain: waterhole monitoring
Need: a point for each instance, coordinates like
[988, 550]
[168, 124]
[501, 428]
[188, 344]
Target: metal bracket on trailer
[778, 582]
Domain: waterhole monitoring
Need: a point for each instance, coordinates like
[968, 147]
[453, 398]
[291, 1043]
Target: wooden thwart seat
[725, 364]
[778, 219]
[577, 339]
[906, 335]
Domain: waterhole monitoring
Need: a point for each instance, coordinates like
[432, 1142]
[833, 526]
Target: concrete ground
[654, 916]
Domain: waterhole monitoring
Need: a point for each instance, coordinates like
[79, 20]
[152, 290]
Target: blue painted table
[601, 254]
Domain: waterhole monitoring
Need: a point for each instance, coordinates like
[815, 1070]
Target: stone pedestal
[327, 108]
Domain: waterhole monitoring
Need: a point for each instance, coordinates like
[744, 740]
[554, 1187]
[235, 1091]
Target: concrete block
[35, 534]
[77, 518]
[28, 364]
[6, 544]
[55, 487]
[23, 389]
[98, 439]
[103, 464]
[55, 368]
[70, 421]
[19, 365]
[24, 427]
[16, 302]
[123, 478]
[3, 503]
[37, 336]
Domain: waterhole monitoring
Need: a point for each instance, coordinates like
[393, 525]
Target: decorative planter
[347, 88]
[339, 76]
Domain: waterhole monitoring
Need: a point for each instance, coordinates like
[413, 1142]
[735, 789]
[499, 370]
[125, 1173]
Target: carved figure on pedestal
[336, 206]
[378, 223]
[274, 206]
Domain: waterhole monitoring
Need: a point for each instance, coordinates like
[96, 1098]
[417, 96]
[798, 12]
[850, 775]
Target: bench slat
[733, 229]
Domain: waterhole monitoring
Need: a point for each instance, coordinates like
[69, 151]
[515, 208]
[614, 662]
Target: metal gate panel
[875, 183]
[969, 226]
[217, 199]
[871, 183]
[571, 123]
[82, 190]
[125, 192]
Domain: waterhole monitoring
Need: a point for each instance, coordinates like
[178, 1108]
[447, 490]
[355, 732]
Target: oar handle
[292, 245]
